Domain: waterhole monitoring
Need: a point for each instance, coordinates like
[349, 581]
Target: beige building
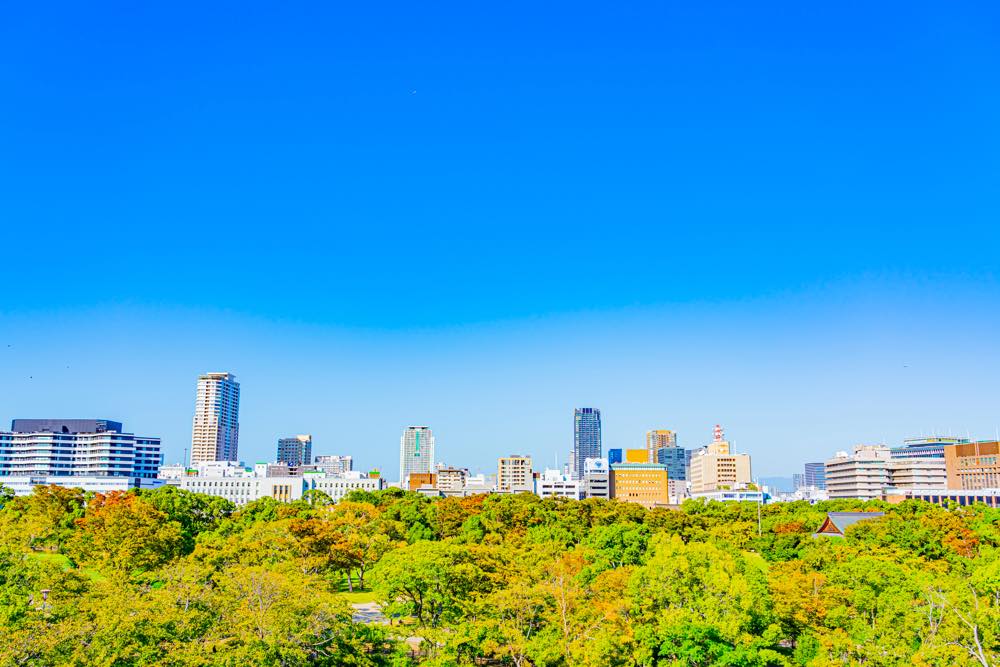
[645, 484]
[451, 480]
[656, 440]
[514, 474]
[215, 434]
[715, 467]
[863, 474]
[917, 473]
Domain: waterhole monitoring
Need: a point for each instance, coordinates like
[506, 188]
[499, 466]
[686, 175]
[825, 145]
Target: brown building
[419, 479]
[973, 466]
[643, 483]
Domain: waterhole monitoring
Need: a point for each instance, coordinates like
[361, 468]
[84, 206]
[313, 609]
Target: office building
[716, 468]
[615, 456]
[798, 481]
[514, 474]
[333, 464]
[815, 475]
[416, 452]
[917, 474]
[295, 450]
[973, 466]
[421, 480]
[555, 484]
[932, 447]
[863, 474]
[92, 454]
[596, 479]
[676, 460]
[657, 440]
[643, 483]
[586, 438]
[215, 435]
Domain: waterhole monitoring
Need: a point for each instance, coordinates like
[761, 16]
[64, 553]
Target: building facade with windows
[295, 450]
[658, 439]
[596, 479]
[715, 467]
[92, 454]
[514, 474]
[645, 484]
[215, 435]
[333, 464]
[815, 475]
[973, 466]
[586, 438]
[416, 452]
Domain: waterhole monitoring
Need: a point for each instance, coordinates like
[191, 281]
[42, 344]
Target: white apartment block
[215, 434]
[451, 481]
[917, 474]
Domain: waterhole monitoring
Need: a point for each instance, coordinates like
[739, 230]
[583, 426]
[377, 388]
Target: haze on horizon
[780, 218]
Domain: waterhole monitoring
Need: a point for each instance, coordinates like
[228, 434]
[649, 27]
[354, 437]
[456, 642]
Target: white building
[596, 478]
[555, 484]
[215, 434]
[241, 485]
[94, 454]
[917, 474]
[333, 464]
[863, 474]
[451, 481]
[416, 452]
[732, 495]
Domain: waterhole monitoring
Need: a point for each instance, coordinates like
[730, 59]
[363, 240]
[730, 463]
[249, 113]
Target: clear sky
[783, 217]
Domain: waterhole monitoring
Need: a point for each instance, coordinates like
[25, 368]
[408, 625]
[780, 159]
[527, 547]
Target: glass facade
[586, 438]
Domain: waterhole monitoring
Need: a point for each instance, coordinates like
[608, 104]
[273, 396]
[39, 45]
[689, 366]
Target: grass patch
[359, 596]
[62, 561]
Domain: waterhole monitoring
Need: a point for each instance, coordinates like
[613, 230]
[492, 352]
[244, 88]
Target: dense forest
[174, 578]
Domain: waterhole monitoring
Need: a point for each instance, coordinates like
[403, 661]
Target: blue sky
[778, 216]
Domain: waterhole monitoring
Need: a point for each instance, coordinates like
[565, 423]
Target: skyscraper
[586, 438]
[657, 440]
[295, 450]
[216, 432]
[416, 452]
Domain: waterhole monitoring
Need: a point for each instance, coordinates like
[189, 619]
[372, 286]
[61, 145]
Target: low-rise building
[643, 483]
[973, 466]
[556, 484]
[863, 475]
[733, 495]
[242, 485]
[333, 464]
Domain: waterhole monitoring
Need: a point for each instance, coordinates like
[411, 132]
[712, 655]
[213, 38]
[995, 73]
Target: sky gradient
[780, 217]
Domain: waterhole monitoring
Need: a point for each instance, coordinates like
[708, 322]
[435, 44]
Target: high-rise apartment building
[815, 475]
[514, 474]
[586, 438]
[657, 440]
[295, 450]
[416, 452]
[216, 432]
[715, 467]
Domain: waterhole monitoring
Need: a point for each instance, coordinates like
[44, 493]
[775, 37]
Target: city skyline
[778, 219]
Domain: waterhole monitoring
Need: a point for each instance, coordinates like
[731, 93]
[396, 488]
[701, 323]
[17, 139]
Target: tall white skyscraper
[216, 432]
[416, 452]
